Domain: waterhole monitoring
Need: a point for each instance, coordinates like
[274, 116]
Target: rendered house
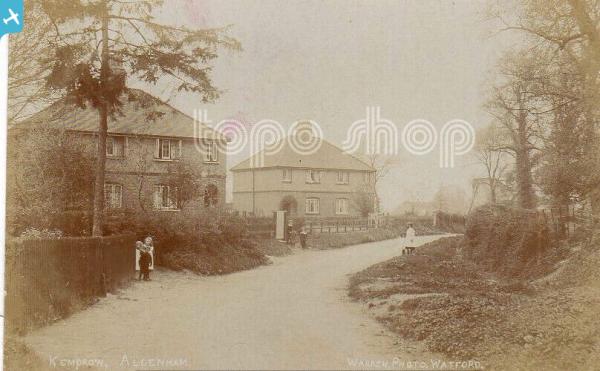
[146, 141]
[327, 183]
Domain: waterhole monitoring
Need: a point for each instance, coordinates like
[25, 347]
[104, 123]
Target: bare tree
[364, 201]
[27, 70]
[515, 107]
[451, 199]
[49, 180]
[566, 173]
[569, 30]
[382, 165]
[569, 26]
[491, 153]
[185, 178]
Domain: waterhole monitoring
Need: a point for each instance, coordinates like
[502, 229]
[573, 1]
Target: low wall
[48, 279]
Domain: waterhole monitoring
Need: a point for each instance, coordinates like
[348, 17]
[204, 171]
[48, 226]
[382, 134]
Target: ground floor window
[211, 195]
[113, 196]
[341, 206]
[165, 197]
[312, 205]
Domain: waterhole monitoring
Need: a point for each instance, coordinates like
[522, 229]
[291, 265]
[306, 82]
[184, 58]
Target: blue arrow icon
[11, 14]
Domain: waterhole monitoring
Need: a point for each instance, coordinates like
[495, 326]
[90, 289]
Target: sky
[328, 60]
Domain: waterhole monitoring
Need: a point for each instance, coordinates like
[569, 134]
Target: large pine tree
[100, 44]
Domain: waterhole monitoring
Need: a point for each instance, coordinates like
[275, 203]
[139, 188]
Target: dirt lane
[291, 314]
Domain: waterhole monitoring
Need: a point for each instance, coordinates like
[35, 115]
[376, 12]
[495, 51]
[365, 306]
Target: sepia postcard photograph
[300, 185]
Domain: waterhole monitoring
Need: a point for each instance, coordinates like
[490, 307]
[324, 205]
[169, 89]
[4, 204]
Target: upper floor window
[313, 176]
[312, 205]
[210, 151]
[286, 175]
[113, 196]
[341, 206]
[165, 197]
[368, 177]
[115, 146]
[343, 177]
[167, 149]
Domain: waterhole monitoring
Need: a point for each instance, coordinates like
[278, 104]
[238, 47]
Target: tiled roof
[141, 114]
[328, 156]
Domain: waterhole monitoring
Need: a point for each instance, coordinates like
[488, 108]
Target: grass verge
[223, 259]
[457, 308]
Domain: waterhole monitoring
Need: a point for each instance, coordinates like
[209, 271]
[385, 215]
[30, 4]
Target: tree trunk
[523, 160]
[98, 218]
[493, 197]
[524, 180]
[590, 69]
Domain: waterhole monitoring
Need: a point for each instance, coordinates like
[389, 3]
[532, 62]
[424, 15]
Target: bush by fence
[48, 279]
[511, 241]
[334, 240]
[260, 227]
[449, 222]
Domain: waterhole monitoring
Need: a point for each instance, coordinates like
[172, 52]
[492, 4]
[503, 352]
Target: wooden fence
[47, 279]
[341, 225]
[260, 227]
[557, 223]
[561, 221]
[265, 227]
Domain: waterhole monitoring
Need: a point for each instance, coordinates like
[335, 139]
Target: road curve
[293, 314]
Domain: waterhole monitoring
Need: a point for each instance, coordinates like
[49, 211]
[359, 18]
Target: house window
[211, 195]
[115, 146]
[367, 177]
[341, 206]
[167, 149]
[211, 153]
[312, 205]
[286, 175]
[313, 176]
[113, 196]
[343, 177]
[165, 197]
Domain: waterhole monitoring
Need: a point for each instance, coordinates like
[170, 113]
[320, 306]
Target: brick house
[326, 183]
[145, 142]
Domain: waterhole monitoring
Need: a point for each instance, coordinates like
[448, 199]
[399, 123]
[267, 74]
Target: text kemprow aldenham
[126, 362]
